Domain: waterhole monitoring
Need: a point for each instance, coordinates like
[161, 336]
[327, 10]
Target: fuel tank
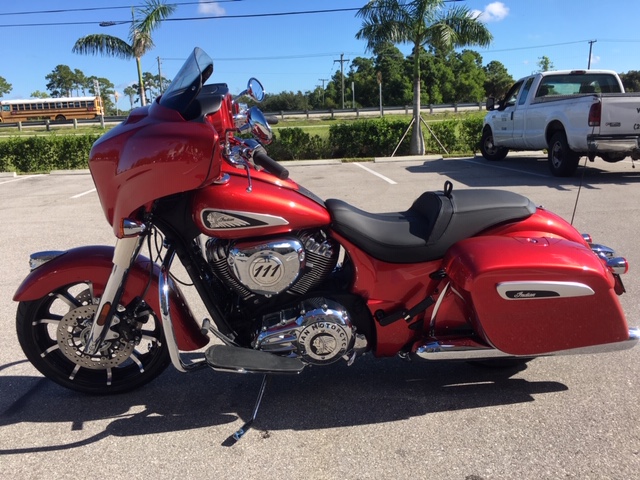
[228, 210]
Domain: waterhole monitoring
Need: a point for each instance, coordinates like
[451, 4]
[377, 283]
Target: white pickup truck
[568, 113]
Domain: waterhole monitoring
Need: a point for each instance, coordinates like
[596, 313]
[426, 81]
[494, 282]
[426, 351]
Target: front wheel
[563, 161]
[52, 332]
[488, 149]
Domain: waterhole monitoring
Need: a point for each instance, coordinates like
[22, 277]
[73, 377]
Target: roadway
[560, 417]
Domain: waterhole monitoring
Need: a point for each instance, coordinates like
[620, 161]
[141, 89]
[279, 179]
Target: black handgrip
[261, 158]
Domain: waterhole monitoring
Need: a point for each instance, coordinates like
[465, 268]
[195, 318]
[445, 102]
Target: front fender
[94, 264]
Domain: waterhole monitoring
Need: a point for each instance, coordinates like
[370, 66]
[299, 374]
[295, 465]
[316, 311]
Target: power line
[211, 17]
[93, 9]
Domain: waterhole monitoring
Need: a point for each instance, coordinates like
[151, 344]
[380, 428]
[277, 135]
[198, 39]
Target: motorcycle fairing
[153, 154]
[95, 263]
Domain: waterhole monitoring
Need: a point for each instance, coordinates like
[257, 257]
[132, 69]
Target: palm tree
[130, 92]
[421, 23]
[148, 19]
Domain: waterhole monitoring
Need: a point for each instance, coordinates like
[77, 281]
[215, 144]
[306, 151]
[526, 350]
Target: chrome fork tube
[124, 255]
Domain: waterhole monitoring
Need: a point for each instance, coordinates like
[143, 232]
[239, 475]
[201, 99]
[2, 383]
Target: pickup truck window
[511, 96]
[525, 91]
[577, 84]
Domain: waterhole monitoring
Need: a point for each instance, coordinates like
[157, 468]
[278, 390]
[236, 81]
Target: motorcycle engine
[319, 331]
[269, 267]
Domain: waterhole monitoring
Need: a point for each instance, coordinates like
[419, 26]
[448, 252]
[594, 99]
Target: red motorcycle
[288, 279]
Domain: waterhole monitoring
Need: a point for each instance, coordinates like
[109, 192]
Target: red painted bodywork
[94, 263]
[541, 325]
[474, 267]
[154, 153]
[268, 196]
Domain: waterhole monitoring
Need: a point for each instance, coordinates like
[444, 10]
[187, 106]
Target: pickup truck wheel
[488, 149]
[563, 161]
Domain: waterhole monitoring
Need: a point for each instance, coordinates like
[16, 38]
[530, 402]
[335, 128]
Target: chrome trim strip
[40, 258]
[602, 250]
[233, 223]
[432, 322]
[541, 290]
[440, 351]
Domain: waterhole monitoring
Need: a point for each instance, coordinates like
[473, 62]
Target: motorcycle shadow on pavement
[371, 391]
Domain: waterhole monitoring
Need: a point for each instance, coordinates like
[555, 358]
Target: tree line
[458, 78]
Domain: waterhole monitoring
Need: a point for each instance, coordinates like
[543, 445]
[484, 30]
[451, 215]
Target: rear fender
[94, 264]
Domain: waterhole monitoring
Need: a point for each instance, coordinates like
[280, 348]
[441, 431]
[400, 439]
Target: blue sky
[296, 52]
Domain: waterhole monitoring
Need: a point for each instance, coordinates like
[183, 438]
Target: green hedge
[362, 138]
[45, 153]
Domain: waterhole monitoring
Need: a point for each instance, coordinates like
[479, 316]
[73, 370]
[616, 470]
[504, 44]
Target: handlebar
[261, 158]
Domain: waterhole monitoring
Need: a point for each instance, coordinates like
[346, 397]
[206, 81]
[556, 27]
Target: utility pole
[160, 77]
[591, 42]
[323, 80]
[341, 61]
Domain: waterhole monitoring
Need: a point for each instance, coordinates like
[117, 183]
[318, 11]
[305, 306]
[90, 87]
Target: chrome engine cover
[267, 268]
[320, 334]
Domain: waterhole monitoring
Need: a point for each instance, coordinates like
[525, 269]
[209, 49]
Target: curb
[70, 172]
[302, 163]
[408, 158]
[8, 174]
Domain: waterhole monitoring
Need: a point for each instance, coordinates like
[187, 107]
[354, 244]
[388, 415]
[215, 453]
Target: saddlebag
[536, 295]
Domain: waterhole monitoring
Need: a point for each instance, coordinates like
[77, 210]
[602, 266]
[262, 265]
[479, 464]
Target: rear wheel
[60, 118]
[488, 149]
[52, 332]
[563, 161]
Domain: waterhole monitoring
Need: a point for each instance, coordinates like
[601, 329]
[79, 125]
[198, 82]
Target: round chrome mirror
[255, 89]
[259, 126]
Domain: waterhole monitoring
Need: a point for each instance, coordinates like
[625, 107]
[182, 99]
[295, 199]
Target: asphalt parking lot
[559, 417]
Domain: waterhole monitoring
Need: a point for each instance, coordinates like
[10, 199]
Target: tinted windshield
[188, 82]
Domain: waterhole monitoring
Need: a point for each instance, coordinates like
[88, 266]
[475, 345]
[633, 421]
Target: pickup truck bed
[568, 113]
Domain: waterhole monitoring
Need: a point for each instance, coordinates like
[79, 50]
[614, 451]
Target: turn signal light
[618, 265]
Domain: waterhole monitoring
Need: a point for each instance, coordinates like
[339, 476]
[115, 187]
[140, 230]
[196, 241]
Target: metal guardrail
[282, 115]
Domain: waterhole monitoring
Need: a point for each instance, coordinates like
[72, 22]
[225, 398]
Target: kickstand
[233, 439]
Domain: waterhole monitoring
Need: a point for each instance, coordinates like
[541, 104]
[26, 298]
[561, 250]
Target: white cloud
[595, 59]
[210, 8]
[494, 12]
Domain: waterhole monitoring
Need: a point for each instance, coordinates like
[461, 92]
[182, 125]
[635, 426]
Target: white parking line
[20, 178]
[388, 180]
[84, 193]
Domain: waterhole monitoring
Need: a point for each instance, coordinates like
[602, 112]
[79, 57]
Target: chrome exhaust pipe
[452, 351]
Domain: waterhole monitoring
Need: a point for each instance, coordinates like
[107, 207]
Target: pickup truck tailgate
[620, 114]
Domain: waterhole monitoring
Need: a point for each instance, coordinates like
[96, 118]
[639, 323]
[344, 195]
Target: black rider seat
[430, 226]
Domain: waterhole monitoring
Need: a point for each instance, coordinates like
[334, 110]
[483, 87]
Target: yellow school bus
[57, 109]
